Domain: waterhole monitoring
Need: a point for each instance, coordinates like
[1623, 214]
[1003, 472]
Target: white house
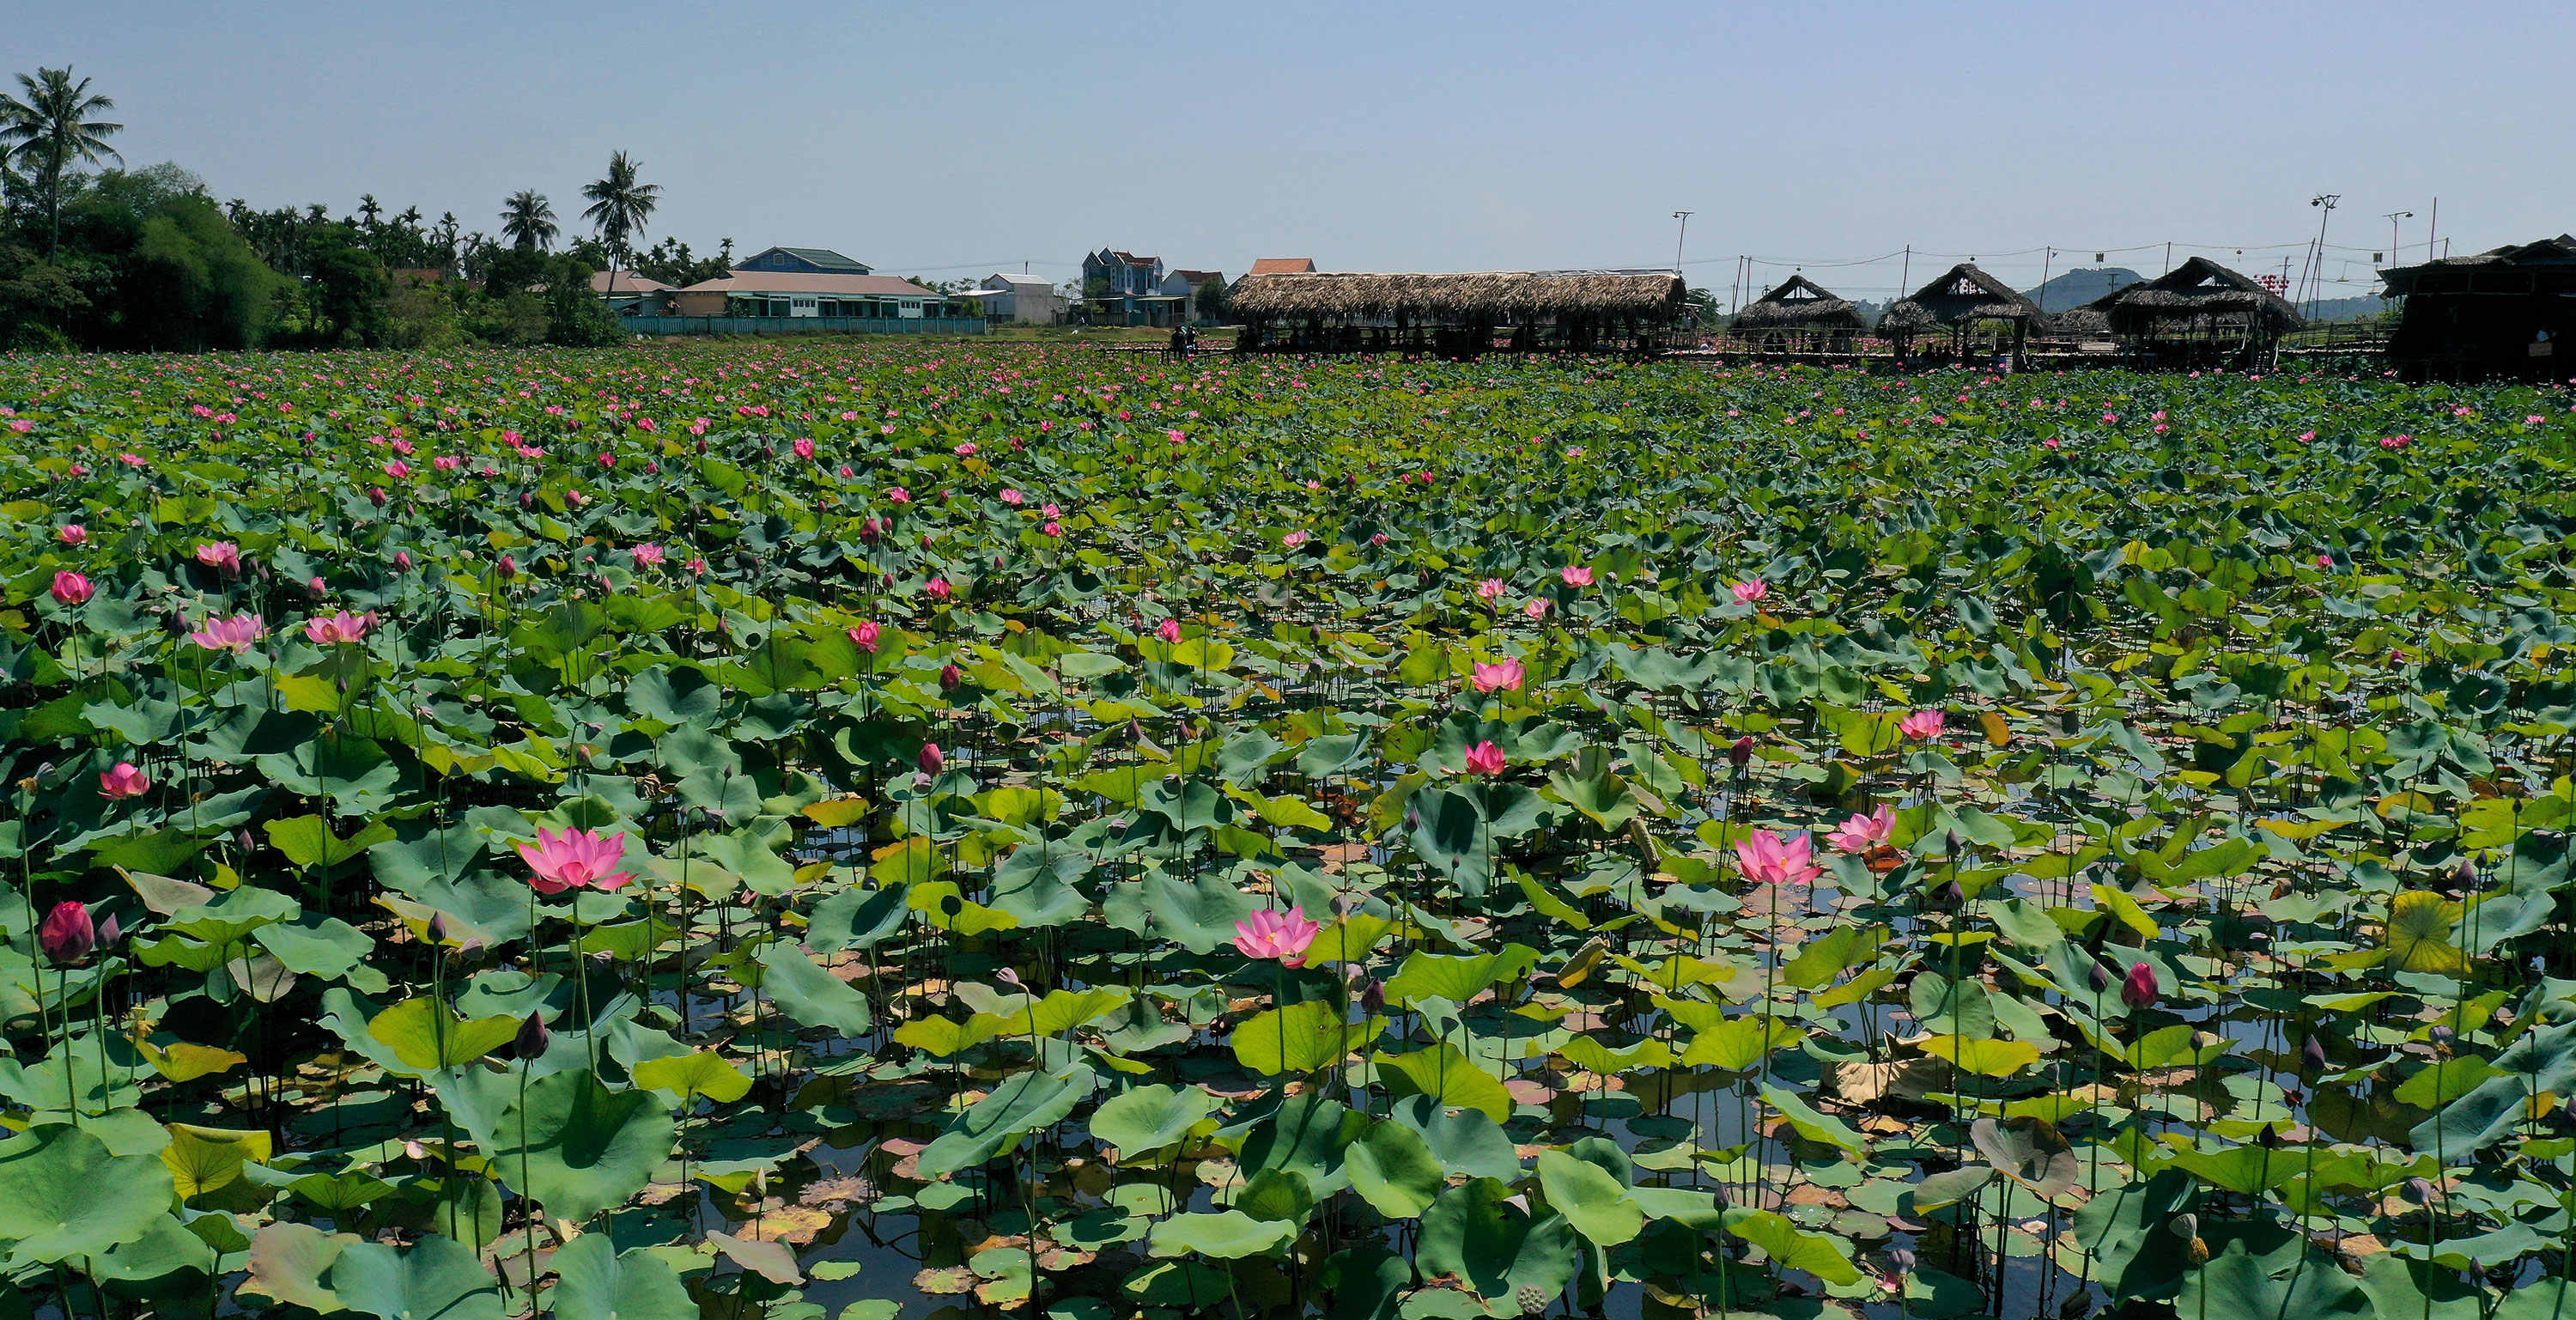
[1028, 298]
[794, 293]
[1185, 285]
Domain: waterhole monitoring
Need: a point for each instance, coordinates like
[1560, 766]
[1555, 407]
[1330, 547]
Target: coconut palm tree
[52, 129]
[528, 221]
[619, 205]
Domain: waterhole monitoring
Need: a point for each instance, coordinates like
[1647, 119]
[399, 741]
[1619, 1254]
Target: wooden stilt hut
[1799, 316]
[1456, 315]
[1981, 314]
[2197, 316]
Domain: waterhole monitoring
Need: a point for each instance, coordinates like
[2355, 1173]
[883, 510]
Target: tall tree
[52, 128]
[528, 221]
[619, 204]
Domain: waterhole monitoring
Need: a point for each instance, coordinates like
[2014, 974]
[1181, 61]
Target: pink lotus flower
[899, 495]
[67, 934]
[1863, 833]
[71, 588]
[1296, 538]
[648, 555]
[1576, 575]
[1537, 608]
[1486, 759]
[931, 760]
[940, 590]
[2139, 990]
[1923, 724]
[222, 556]
[1505, 676]
[1270, 933]
[336, 629]
[1751, 590]
[236, 634]
[1490, 590]
[804, 448]
[398, 469]
[1051, 511]
[1770, 859]
[1170, 630]
[73, 534]
[122, 782]
[966, 450]
[574, 859]
[866, 636]
[1013, 497]
[1053, 528]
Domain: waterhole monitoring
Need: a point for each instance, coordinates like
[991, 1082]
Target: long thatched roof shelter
[1802, 305]
[1960, 295]
[1455, 314]
[1498, 296]
[2199, 291]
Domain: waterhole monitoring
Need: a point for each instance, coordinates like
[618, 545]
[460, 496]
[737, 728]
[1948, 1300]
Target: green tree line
[96, 255]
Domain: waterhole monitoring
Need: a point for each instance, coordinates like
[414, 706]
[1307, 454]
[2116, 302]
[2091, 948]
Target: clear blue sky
[955, 139]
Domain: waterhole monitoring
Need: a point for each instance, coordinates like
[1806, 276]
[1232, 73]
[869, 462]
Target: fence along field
[829, 830]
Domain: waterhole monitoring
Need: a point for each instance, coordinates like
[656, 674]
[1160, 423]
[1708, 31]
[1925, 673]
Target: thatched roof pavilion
[2500, 313]
[1800, 304]
[1958, 301]
[2198, 290]
[1961, 295]
[1363, 312]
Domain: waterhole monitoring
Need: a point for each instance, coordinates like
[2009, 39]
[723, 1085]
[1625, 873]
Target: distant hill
[2078, 287]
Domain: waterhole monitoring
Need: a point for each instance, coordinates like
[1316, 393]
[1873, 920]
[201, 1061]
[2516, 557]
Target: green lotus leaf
[578, 1147]
[1145, 1118]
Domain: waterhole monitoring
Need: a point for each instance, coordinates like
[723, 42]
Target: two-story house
[1121, 288]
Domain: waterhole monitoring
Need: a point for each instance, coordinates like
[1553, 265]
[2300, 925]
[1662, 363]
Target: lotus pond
[816, 831]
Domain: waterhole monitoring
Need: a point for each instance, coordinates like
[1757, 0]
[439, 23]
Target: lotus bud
[67, 934]
[2315, 1051]
[2422, 1191]
[2185, 1227]
[527, 499]
[1010, 976]
[109, 933]
[2139, 991]
[1373, 997]
[376, 496]
[950, 676]
[402, 561]
[931, 759]
[509, 566]
[532, 1038]
[1901, 1260]
[2102, 981]
[1741, 754]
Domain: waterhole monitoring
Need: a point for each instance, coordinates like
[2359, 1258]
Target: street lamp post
[2325, 204]
[2393, 217]
[1684, 217]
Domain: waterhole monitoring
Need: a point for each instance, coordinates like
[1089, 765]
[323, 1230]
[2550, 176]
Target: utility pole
[1684, 217]
[2325, 204]
[2393, 218]
[2043, 278]
[2432, 223]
